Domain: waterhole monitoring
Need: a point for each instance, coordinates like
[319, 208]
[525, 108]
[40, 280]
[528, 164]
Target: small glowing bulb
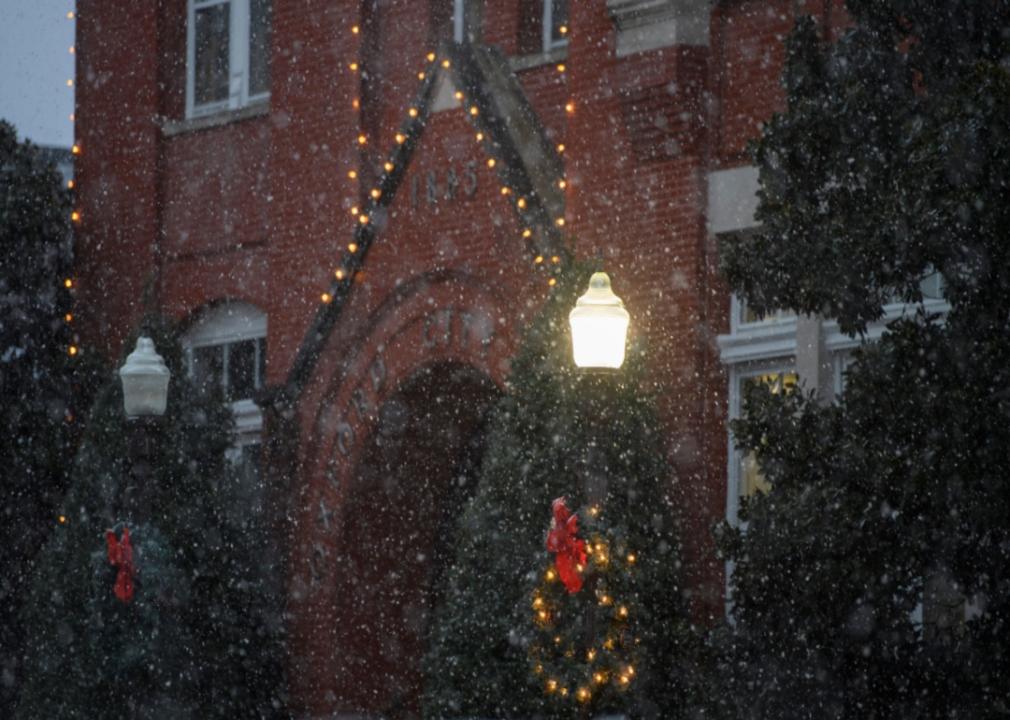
[400, 138]
[420, 75]
[339, 274]
[594, 510]
[353, 66]
[490, 162]
[561, 67]
[563, 29]
[458, 94]
[75, 216]
[622, 611]
[431, 57]
[356, 103]
[376, 193]
[560, 222]
[388, 166]
[445, 63]
[68, 317]
[363, 219]
[505, 190]
[591, 655]
[631, 558]
[598, 678]
[582, 694]
[72, 350]
[412, 112]
[325, 297]
[604, 600]
[70, 184]
[569, 107]
[352, 174]
[538, 669]
[542, 615]
[71, 49]
[474, 110]
[521, 202]
[362, 139]
[609, 643]
[556, 259]
[538, 259]
[355, 29]
[68, 283]
[75, 149]
[70, 15]
[526, 233]
[352, 247]
[557, 639]
[63, 519]
[538, 602]
[354, 211]
[624, 679]
[71, 116]
[552, 685]
[561, 147]
[552, 282]
[70, 83]
[562, 184]
[550, 575]
[630, 671]
[564, 692]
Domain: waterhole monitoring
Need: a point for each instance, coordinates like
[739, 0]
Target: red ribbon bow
[570, 552]
[121, 556]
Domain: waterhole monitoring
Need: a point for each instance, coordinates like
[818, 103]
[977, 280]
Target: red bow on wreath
[121, 556]
[570, 551]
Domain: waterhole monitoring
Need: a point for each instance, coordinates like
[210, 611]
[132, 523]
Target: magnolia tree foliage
[873, 578]
[201, 637]
[596, 441]
[44, 389]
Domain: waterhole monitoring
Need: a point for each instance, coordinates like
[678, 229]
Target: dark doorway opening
[417, 470]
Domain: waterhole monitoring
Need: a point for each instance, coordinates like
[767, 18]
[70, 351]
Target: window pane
[260, 12]
[559, 20]
[210, 75]
[208, 367]
[261, 362]
[241, 369]
[752, 481]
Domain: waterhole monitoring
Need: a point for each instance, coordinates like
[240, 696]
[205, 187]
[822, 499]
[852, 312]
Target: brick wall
[258, 209]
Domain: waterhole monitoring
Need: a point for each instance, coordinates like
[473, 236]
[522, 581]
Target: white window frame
[238, 60]
[222, 325]
[458, 20]
[548, 41]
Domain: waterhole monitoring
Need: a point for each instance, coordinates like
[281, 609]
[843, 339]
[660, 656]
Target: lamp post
[599, 325]
[145, 394]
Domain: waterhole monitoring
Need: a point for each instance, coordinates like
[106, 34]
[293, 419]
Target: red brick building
[356, 206]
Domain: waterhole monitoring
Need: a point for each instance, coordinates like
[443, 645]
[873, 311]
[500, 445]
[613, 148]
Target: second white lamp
[599, 326]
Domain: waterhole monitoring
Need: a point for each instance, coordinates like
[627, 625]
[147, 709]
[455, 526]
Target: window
[745, 478]
[228, 63]
[226, 347]
[555, 24]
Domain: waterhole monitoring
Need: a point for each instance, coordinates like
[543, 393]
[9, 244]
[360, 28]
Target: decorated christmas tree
[45, 381]
[594, 440]
[163, 613]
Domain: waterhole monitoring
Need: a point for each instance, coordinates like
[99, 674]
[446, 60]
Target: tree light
[599, 325]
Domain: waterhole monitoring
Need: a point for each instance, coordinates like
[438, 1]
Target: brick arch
[436, 321]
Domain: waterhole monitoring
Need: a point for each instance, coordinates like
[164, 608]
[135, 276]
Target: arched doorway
[417, 468]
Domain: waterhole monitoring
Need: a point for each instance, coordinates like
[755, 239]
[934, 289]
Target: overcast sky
[35, 64]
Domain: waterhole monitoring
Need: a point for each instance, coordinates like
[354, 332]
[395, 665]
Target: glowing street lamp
[145, 381]
[599, 326]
